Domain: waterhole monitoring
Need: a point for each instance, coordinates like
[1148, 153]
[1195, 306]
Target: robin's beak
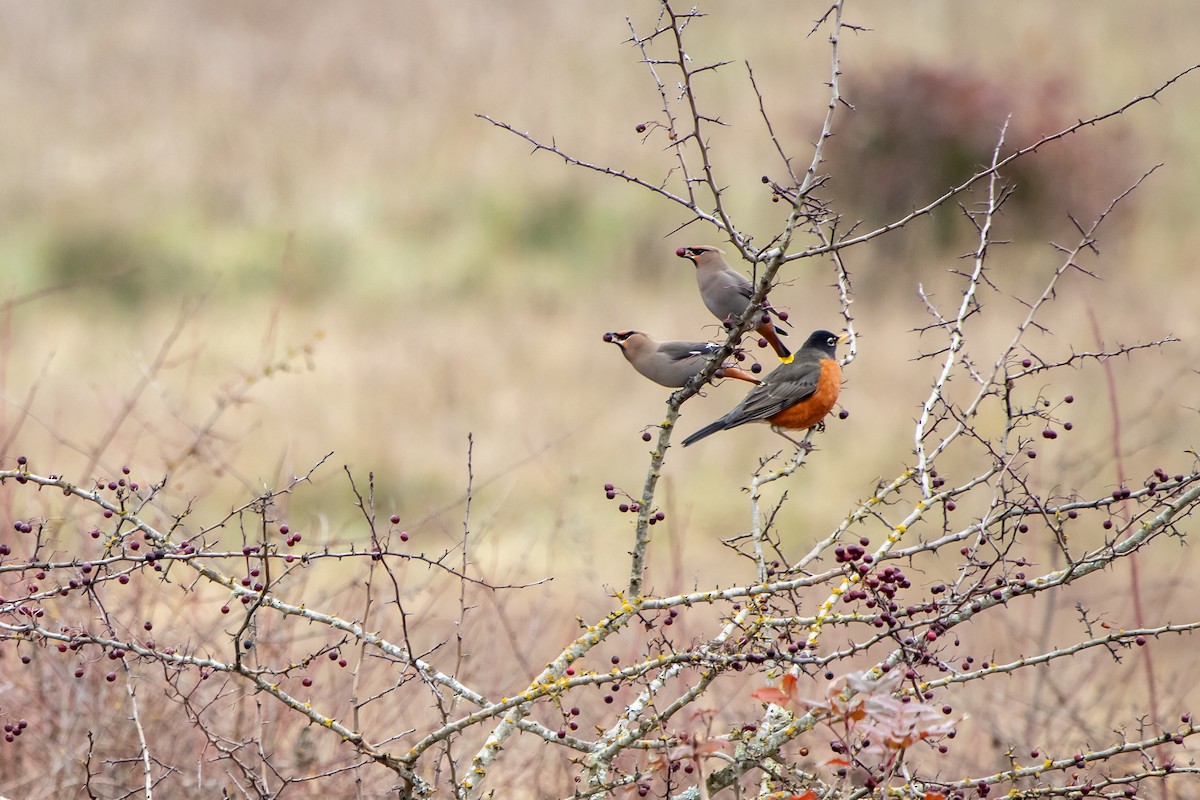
[845, 337]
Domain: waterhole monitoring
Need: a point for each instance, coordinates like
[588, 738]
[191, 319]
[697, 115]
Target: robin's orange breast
[812, 409]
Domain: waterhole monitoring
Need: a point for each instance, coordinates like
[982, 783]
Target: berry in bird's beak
[783, 316]
[682, 252]
[608, 337]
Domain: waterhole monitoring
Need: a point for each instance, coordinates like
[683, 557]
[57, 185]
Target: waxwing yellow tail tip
[788, 358]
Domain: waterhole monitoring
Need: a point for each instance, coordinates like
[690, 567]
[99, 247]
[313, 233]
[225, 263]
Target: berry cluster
[632, 506]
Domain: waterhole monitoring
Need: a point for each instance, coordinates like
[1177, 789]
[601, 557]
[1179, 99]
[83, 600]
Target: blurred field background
[355, 264]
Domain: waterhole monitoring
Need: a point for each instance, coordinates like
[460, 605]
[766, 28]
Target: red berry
[646, 436]
[395, 519]
[641, 128]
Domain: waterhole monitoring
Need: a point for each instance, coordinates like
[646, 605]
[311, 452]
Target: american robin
[726, 293]
[795, 396]
[670, 364]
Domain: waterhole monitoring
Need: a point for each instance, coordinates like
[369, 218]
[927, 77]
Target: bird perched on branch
[726, 292]
[670, 364]
[795, 396]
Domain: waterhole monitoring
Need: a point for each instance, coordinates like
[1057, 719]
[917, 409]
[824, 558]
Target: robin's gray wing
[783, 388]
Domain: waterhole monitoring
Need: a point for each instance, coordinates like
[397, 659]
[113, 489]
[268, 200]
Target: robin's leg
[803, 445]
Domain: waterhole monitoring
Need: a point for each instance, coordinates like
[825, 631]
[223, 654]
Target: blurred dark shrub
[918, 130]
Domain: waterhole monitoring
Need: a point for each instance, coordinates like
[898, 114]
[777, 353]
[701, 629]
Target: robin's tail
[707, 430]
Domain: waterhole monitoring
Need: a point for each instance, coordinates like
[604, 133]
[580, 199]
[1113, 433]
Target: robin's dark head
[693, 254]
[620, 337]
[824, 343]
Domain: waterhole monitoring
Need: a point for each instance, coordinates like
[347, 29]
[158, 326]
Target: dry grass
[448, 285]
